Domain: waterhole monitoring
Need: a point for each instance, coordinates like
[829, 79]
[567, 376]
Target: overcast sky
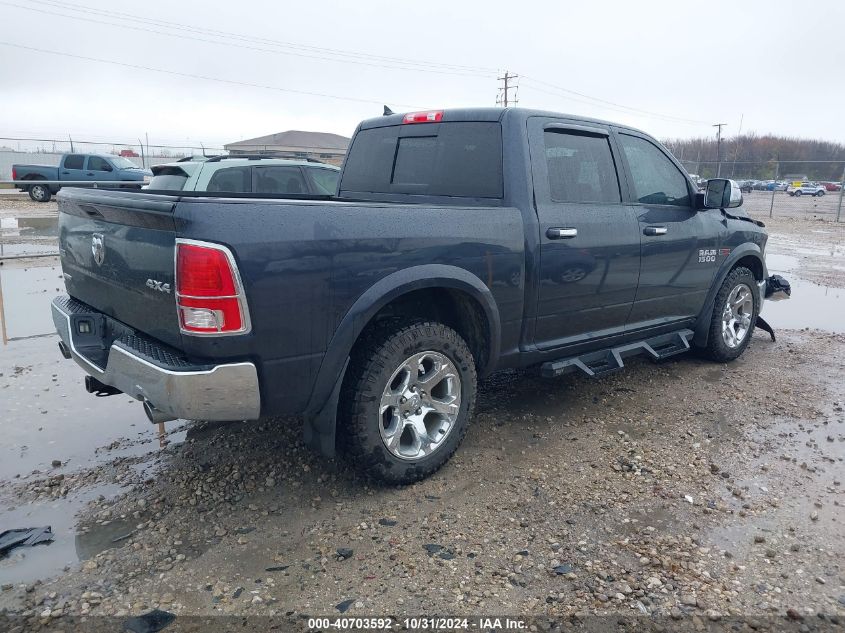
[688, 64]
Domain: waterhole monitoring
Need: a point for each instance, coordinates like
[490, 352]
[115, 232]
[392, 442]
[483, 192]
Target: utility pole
[719, 127]
[508, 83]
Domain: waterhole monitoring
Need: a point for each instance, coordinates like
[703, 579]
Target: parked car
[76, 168]
[806, 189]
[746, 186]
[246, 174]
[832, 186]
[460, 242]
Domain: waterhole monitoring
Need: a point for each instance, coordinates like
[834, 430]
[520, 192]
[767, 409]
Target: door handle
[655, 230]
[556, 233]
[90, 173]
[65, 172]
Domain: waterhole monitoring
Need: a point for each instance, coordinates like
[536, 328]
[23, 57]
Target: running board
[611, 359]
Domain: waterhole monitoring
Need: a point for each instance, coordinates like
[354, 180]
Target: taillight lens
[433, 116]
[209, 294]
[14, 174]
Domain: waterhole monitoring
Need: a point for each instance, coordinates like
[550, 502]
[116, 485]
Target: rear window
[169, 178]
[460, 159]
[74, 161]
[231, 180]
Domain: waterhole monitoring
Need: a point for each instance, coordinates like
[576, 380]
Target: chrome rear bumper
[173, 386]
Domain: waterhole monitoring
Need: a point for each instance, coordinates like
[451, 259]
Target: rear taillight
[14, 174]
[209, 294]
[433, 116]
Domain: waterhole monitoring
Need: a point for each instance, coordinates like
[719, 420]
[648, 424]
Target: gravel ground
[684, 492]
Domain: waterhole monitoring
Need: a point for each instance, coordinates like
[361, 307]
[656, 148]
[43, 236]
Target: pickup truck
[46, 179]
[460, 242]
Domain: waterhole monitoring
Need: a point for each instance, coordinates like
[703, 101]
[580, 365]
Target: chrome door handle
[655, 230]
[555, 233]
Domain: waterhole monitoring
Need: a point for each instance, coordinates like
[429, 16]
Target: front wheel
[819, 194]
[407, 400]
[735, 313]
[40, 193]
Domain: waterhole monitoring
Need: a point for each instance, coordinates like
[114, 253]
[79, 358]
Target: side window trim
[632, 196]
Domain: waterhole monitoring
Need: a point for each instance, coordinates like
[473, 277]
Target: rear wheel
[407, 400]
[735, 313]
[798, 193]
[40, 193]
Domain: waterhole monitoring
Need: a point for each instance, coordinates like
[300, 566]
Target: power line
[248, 43]
[609, 104]
[203, 77]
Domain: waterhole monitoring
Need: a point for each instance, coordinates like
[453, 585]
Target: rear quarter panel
[304, 264]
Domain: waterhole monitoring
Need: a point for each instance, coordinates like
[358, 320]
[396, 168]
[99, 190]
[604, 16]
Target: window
[279, 180]
[462, 159]
[74, 161]
[95, 163]
[231, 180]
[656, 179]
[324, 180]
[580, 168]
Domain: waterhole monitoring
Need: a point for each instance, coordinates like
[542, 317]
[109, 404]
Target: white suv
[806, 189]
[246, 174]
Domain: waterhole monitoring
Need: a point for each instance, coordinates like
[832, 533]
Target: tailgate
[117, 252]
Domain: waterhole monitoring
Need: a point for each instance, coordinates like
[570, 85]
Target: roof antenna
[203, 150]
[387, 111]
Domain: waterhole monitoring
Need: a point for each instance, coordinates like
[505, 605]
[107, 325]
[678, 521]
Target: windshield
[122, 163]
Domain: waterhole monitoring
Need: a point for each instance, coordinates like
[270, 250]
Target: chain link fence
[779, 188]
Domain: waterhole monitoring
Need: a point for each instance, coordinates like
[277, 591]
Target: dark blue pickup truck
[460, 242]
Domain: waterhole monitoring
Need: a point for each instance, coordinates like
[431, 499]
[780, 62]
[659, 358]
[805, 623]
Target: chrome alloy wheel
[736, 316]
[420, 405]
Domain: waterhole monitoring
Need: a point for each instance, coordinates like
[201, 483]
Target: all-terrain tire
[718, 348]
[40, 193]
[374, 362]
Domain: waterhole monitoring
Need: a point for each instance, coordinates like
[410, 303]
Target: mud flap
[319, 429]
[763, 325]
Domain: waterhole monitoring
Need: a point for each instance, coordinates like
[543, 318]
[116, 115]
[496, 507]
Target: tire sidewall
[375, 372]
[716, 345]
[44, 197]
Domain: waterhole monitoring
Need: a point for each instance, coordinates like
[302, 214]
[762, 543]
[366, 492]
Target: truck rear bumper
[149, 371]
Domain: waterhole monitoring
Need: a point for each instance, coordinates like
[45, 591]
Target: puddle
[27, 564]
[25, 296]
[47, 415]
[810, 306]
[28, 236]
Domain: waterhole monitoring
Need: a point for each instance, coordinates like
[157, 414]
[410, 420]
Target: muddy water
[46, 416]
[28, 236]
[810, 306]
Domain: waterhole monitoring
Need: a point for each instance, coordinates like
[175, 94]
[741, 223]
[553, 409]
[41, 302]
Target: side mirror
[721, 193]
[107, 168]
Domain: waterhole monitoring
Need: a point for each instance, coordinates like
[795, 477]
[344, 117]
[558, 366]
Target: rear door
[278, 179]
[679, 244]
[73, 167]
[589, 240]
[117, 253]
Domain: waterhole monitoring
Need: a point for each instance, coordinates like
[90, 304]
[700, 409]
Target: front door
[679, 244]
[99, 169]
[589, 241]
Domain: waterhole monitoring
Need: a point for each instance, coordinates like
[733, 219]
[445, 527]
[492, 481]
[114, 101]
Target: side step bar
[609, 360]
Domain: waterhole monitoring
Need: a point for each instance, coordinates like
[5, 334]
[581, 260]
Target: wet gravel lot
[684, 492]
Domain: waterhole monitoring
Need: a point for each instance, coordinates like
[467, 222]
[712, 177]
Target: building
[322, 146]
